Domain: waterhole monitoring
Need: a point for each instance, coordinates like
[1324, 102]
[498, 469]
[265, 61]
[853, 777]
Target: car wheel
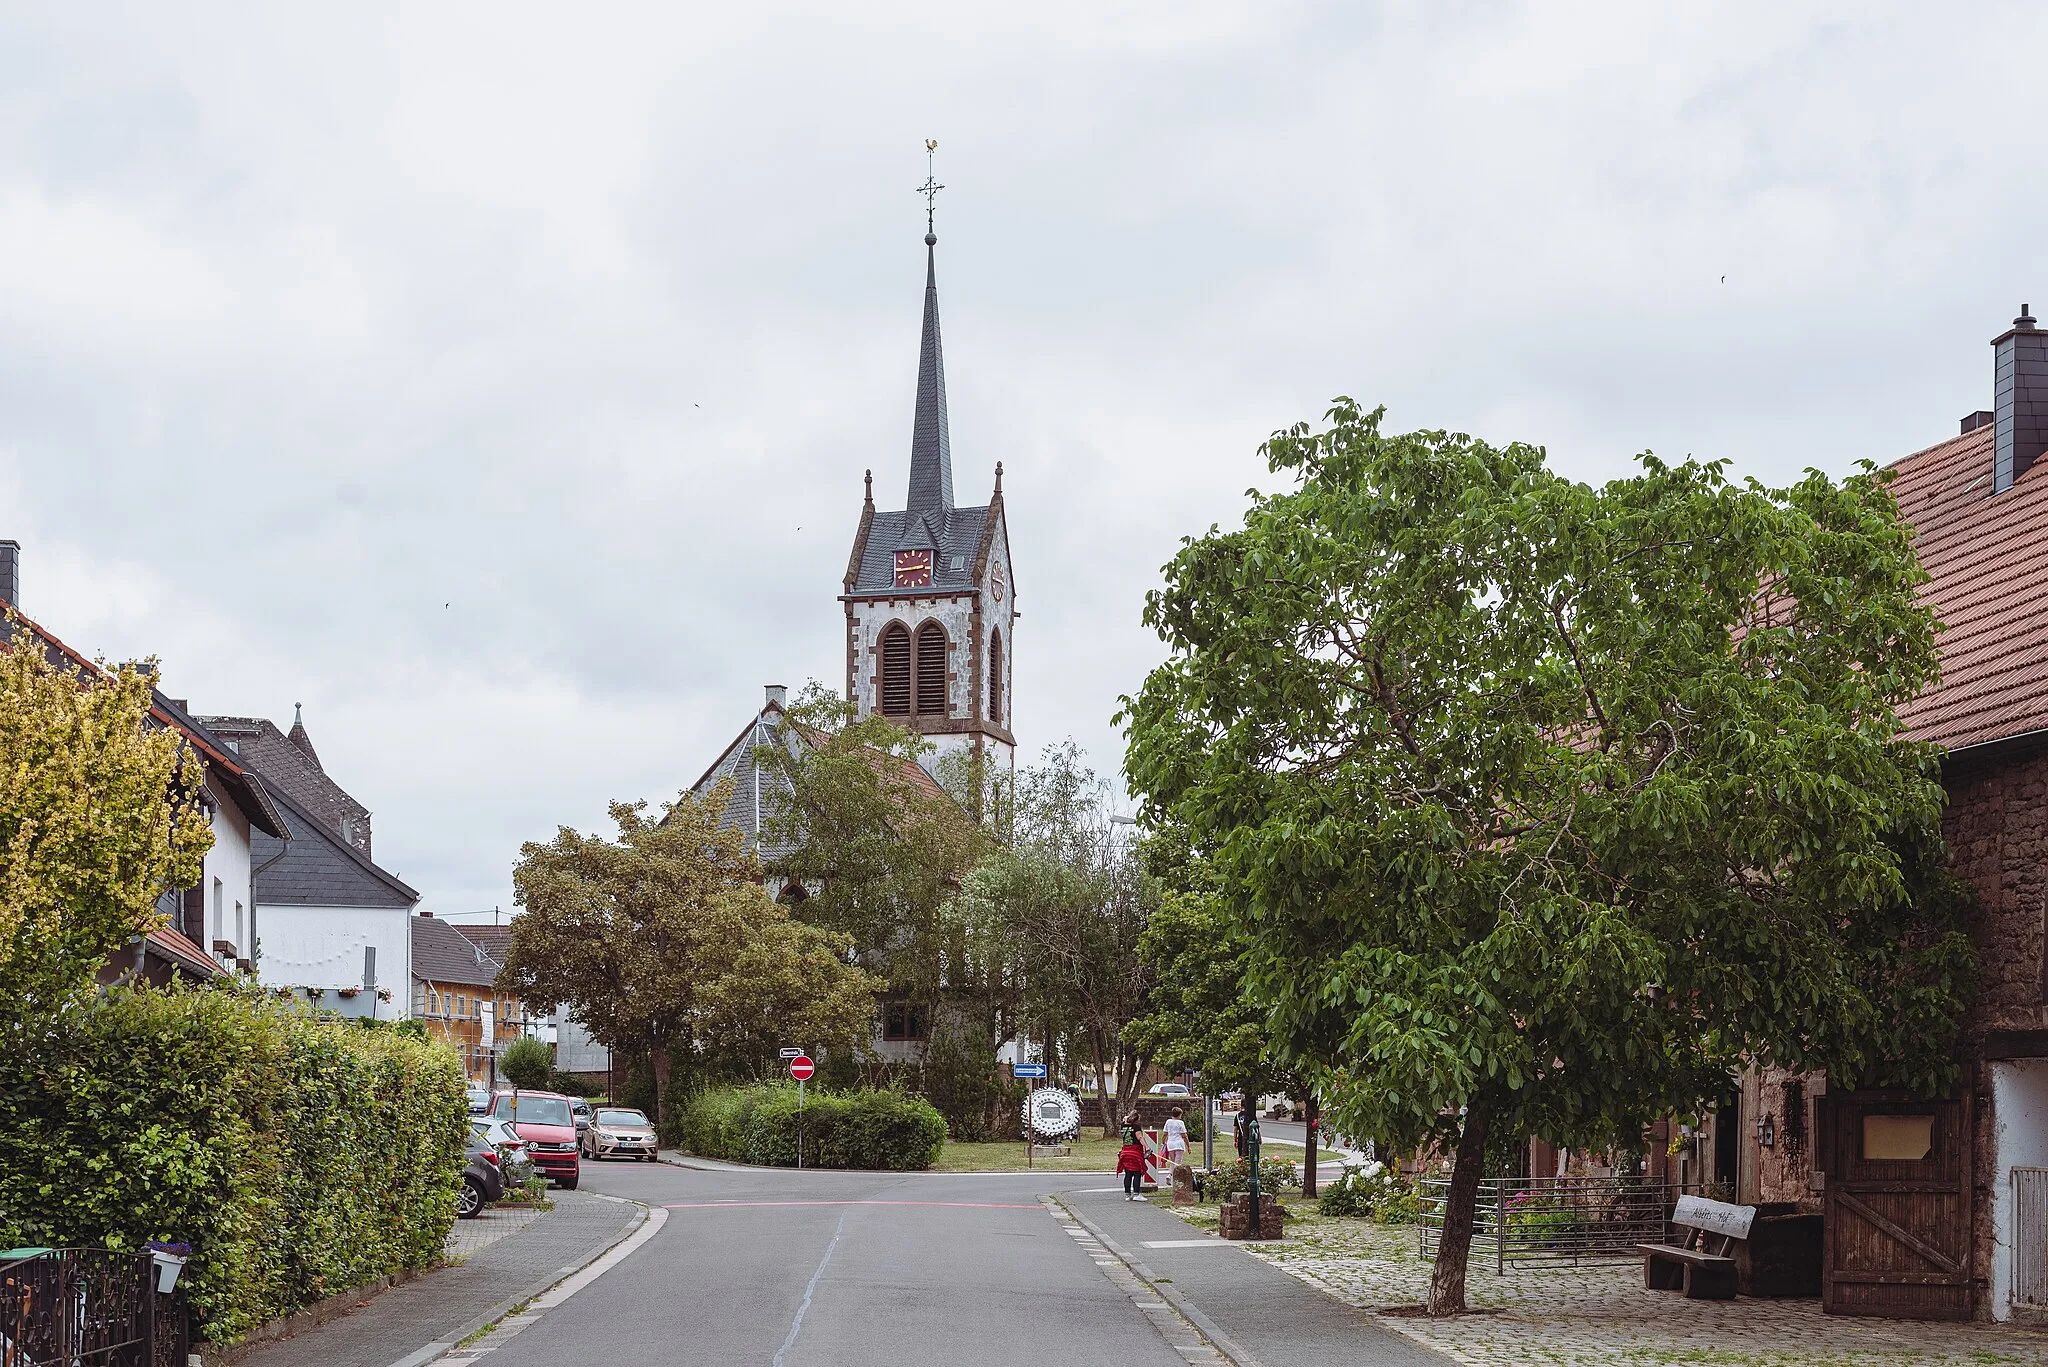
[469, 1201]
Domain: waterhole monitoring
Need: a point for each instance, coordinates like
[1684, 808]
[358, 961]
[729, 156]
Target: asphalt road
[823, 1269]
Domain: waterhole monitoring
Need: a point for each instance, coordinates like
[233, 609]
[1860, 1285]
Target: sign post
[800, 1068]
[1030, 1129]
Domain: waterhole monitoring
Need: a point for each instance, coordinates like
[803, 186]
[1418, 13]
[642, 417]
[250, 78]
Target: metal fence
[2030, 1237]
[1544, 1220]
[88, 1307]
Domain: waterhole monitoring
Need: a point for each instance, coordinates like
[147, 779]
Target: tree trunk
[1308, 1167]
[1447, 1281]
[1109, 1115]
[658, 1056]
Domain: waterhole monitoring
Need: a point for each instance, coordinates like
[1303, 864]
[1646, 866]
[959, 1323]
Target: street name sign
[1027, 1070]
[801, 1068]
[788, 1054]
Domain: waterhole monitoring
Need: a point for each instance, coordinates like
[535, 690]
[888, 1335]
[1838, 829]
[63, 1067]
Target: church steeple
[931, 446]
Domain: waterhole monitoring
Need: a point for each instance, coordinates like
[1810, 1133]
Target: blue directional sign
[1027, 1070]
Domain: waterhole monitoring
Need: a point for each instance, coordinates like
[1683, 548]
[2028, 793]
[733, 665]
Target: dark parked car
[481, 1181]
[545, 1122]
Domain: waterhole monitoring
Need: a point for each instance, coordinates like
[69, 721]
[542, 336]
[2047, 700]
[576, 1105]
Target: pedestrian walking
[1130, 1160]
[1176, 1140]
[1241, 1129]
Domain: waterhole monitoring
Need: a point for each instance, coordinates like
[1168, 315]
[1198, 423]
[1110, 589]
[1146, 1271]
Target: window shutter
[995, 676]
[896, 671]
[931, 670]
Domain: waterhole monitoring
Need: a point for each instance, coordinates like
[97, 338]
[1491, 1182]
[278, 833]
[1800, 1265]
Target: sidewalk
[445, 1306]
[1270, 1318]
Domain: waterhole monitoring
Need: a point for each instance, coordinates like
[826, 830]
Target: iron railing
[1545, 1220]
[88, 1307]
[2030, 1237]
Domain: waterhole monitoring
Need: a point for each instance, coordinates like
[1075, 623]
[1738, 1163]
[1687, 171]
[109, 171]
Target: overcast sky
[497, 381]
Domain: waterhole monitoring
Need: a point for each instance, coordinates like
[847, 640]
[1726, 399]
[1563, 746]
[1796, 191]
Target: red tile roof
[177, 947]
[1987, 559]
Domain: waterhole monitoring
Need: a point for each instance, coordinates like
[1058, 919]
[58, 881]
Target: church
[931, 603]
[931, 614]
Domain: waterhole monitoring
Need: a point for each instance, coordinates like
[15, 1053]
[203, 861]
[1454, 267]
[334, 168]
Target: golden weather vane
[931, 187]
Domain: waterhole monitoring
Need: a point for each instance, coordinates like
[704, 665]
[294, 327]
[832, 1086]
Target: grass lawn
[1089, 1155]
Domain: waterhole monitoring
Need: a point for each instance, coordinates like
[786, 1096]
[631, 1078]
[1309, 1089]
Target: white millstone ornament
[1052, 1113]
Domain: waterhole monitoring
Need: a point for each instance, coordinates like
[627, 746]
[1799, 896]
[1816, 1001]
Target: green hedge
[871, 1130]
[299, 1157]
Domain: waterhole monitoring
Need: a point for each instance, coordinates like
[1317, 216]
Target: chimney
[1983, 417]
[2020, 402]
[778, 696]
[10, 573]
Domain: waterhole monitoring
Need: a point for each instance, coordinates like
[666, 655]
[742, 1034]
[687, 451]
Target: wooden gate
[1897, 1207]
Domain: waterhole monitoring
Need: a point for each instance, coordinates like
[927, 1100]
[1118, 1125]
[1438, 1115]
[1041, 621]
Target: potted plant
[346, 992]
[170, 1261]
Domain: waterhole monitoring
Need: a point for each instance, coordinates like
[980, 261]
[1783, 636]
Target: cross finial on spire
[930, 189]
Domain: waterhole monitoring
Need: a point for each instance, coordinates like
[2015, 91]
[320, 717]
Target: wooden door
[1897, 1236]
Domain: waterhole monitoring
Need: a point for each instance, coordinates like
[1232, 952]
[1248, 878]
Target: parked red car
[545, 1122]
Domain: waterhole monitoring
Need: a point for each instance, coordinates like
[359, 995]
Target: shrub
[528, 1062]
[298, 1156]
[873, 1130]
[1381, 1193]
[1233, 1175]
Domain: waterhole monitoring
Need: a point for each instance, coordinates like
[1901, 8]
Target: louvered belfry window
[896, 670]
[931, 670]
[995, 676]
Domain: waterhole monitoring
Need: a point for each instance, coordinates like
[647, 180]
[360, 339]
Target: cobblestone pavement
[486, 1229]
[1599, 1315]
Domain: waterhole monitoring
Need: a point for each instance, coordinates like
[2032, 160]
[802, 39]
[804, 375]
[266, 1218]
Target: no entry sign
[801, 1067]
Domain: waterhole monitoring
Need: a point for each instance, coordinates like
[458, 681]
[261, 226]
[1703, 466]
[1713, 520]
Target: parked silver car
[619, 1133]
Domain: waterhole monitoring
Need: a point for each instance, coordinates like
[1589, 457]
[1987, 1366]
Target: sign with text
[1027, 1070]
[788, 1054]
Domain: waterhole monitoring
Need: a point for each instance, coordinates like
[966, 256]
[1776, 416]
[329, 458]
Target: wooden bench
[1703, 1274]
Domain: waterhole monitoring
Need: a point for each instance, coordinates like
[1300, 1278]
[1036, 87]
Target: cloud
[469, 377]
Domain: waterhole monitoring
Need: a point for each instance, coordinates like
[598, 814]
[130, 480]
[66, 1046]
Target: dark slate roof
[318, 868]
[493, 938]
[285, 764]
[931, 447]
[441, 954]
[736, 762]
[956, 534]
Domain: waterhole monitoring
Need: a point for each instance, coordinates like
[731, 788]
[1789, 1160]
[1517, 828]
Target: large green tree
[99, 816]
[1547, 806]
[663, 940]
[1063, 899]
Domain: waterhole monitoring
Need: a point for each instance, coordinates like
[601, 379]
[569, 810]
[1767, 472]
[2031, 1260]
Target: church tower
[931, 603]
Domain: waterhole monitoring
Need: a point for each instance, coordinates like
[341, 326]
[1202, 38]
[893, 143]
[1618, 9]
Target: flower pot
[168, 1266]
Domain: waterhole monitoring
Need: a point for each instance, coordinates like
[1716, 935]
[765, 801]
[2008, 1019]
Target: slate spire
[931, 448]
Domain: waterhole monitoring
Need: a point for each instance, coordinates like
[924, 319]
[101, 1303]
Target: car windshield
[621, 1118]
[534, 1110]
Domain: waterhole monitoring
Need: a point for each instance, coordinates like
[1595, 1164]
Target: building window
[902, 1021]
[896, 670]
[995, 676]
[242, 946]
[220, 910]
[931, 670]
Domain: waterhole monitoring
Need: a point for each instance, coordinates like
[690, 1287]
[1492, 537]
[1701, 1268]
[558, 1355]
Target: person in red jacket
[1130, 1160]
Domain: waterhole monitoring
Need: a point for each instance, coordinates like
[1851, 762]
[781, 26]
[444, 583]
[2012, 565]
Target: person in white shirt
[1176, 1140]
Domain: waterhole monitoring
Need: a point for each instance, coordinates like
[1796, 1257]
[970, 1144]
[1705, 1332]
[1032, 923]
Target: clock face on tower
[913, 569]
[995, 582]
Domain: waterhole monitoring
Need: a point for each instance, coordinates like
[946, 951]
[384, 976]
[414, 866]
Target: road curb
[651, 1219]
[1166, 1291]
